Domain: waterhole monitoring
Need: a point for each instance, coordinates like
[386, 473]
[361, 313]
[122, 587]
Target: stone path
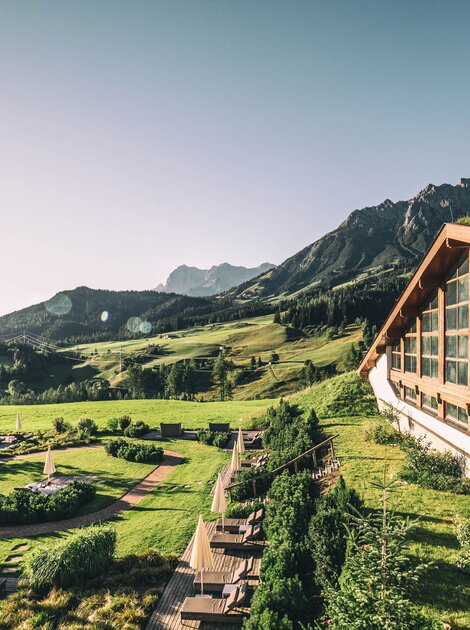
[126, 502]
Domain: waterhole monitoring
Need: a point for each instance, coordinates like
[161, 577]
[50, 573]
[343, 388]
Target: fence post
[332, 450]
[253, 481]
[314, 457]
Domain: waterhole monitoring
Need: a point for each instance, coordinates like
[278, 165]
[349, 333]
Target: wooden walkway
[167, 614]
[126, 502]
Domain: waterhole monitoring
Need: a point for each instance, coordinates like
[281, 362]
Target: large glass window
[456, 347]
[410, 394]
[410, 349]
[430, 402]
[396, 356]
[457, 414]
[429, 338]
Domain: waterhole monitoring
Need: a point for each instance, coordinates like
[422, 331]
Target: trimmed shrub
[213, 438]
[136, 429]
[61, 426]
[82, 555]
[23, 507]
[134, 452]
[87, 426]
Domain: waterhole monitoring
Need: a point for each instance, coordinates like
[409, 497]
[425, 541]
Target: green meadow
[192, 415]
[257, 336]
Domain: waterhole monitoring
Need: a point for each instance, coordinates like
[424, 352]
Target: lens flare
[59, 305]
[133, 324]
[104, 316]
[145, 327]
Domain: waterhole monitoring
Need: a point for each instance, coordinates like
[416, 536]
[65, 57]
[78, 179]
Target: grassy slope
[191, 414]
[257, 336]
[445, 590]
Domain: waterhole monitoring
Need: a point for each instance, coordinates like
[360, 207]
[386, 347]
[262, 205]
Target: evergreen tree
[377, 577]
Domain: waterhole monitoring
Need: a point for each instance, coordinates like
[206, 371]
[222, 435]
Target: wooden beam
[408, 311]
[393, 333]
[430, 282]
[456, 244]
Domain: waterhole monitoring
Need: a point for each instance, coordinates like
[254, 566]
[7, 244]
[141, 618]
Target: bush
[245, 490]
[433, 469]
[85, 554]
[134, 452]
[212, 438]
[87, 426]
[113, 425]
[23, 507]
[462, 531]
[328, 532]
[61, 426]
[382, 434]
[242, 510]
[136, 429]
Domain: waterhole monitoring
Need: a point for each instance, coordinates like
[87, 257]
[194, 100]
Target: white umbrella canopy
[49, 467]
[219, 503]
[201, 555]
[235, 465]
[240, 441]
[18, 422]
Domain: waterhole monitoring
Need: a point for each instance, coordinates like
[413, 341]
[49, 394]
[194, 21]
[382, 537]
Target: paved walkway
[126, 502]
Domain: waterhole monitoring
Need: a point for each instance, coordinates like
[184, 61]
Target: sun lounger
[246, 540]
[233, 525]
[214, 581]
[216, 611]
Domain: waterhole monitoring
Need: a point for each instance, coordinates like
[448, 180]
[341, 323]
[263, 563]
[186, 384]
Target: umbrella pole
[202, 582]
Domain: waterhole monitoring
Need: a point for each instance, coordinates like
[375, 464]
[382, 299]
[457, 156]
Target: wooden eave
[443, 253]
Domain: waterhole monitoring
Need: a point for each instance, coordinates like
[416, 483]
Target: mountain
[205, 282]
[85, 314]
[370, 242]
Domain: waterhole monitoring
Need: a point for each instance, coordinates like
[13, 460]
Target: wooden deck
[167, 614]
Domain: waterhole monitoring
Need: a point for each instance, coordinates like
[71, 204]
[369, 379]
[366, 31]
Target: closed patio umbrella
[201, 556]
[49, 468]
[219, 504]
[235, 465]
[18, 422]
[240, 441]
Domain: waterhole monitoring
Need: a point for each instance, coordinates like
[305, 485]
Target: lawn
[445, 590]
[192, 414]
[166, 518]
[114, 476]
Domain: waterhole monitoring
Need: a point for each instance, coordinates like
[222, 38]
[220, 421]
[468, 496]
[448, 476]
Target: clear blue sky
[136, 136]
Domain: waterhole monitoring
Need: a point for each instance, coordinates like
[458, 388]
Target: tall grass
[83, 555]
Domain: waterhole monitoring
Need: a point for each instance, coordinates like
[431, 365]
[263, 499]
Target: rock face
[369, 241]
[203, 282]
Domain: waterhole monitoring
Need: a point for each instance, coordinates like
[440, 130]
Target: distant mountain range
[204, 282]
[371, 241]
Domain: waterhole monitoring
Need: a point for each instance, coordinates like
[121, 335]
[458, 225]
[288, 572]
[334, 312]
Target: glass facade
[433, 352]
[456, 324]
[429, 338]
[410, 349]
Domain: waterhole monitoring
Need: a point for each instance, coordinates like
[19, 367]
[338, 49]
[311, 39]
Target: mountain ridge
[196, 282]
[369, 241]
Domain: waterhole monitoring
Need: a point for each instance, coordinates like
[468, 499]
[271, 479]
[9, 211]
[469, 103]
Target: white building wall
[441, 435]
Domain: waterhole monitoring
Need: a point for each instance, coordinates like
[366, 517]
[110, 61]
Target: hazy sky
[136, 136]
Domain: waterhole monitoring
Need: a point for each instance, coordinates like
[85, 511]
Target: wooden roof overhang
[443, 253]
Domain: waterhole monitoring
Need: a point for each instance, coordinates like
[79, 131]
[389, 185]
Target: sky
[137, 136]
